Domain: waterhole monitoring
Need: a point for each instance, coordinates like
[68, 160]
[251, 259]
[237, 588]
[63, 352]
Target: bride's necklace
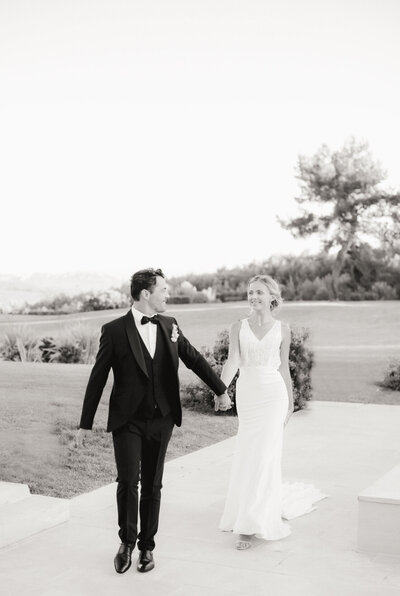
[260, 324]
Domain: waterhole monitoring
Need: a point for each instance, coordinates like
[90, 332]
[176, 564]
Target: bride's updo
[273, 289]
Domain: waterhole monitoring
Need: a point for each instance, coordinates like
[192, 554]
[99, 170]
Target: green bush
[9, 348]
[106, 300]
[301, 361]
[383, 291]
[306, 290]
[87, 338]
[17, 346]
[192, 298]
[364, 267]
[231, 297]
[68, 353]
[392, 376]
[316, 289]
[199, 298]
[48, 348]
[179, 300]
[197, 396]
[78, 344]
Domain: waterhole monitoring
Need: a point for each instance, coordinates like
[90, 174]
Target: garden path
[341, 448]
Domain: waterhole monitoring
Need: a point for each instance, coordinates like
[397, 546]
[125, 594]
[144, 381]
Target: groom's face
[159, 295]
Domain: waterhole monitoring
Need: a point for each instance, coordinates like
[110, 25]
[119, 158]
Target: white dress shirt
[147, 332]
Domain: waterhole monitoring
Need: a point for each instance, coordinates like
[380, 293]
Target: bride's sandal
[243, 543]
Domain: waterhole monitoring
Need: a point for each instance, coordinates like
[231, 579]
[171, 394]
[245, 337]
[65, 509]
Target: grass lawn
[40, 410]
[330, 323]
[40, 403]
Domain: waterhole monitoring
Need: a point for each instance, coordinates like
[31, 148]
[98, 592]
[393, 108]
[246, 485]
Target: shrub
[392, 376]
[197, 396]
[232, 297]
[17, 346]
[68, 353]
[179, 300]
[48, 349]
[323, 288]
[87, 338]
[63, 304]
[307, 290]
[315, 289]
[9, 348]
[107, 300]
[288, 289]
[78, 345]
[199, 298]
[301, 361]
[383, 291]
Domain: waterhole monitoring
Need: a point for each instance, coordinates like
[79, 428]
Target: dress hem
[260, 536]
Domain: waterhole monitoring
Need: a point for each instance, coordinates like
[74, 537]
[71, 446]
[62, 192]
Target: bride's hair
[273, 289]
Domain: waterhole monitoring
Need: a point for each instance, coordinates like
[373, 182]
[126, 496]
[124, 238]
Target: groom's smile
[159, 295]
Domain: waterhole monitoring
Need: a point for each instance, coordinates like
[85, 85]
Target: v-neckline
[265, 334]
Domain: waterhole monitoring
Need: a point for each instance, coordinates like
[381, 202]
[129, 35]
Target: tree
[343, 203]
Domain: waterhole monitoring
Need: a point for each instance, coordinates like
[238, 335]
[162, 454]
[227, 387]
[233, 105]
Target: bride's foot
[243, 542]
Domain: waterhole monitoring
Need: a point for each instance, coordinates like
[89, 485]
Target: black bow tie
[145, 320]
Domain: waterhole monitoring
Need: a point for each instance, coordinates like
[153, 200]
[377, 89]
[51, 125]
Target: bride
[259, 347]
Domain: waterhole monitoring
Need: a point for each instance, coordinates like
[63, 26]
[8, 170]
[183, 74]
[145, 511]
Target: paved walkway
[342, 448]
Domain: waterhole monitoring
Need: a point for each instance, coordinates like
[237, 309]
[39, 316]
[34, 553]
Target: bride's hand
[222, 402]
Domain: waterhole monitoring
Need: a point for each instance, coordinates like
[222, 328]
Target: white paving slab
[341, 448]
[29, 516]
[379, 514]
[10, 492]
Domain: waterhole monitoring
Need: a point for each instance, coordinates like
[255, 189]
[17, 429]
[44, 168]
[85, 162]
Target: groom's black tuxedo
[144, 406]
[122, 350]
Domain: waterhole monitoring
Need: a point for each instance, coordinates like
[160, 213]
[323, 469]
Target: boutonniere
[175, 333]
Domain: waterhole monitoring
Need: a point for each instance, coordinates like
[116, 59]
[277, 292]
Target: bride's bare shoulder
[235, 327]
[285, 327]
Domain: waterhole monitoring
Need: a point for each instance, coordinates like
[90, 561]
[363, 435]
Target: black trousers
[140, 449]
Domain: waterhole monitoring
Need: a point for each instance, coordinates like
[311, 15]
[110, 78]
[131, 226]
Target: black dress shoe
[145, 561]
[123, 558]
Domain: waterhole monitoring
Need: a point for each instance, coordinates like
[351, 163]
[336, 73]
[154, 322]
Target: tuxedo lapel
[166, 331]
[134, 341]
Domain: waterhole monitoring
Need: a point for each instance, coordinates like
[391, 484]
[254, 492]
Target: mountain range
[17, 290]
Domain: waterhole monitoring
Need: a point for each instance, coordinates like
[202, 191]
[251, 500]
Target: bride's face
[258, 296]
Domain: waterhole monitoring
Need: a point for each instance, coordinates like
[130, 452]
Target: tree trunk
[338, 265]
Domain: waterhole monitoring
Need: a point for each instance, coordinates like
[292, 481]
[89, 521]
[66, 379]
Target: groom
[143, 349]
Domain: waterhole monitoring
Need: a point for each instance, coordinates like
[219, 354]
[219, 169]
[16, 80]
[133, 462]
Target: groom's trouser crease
[140, 449]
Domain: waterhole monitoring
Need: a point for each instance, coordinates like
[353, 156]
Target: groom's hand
[80, 437]
[222, 402]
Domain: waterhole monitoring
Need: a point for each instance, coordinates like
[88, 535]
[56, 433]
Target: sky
[165, 133]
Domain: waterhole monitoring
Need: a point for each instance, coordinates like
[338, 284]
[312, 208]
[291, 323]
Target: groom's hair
[145, 279]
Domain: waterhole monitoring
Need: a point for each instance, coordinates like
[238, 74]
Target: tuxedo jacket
[121, 350]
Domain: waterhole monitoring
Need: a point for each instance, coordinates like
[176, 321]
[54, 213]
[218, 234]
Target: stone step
[10, 492]
[379, 515]
[29, 516]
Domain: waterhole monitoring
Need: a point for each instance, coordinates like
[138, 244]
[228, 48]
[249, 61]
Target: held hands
[80, 437]
[222, 402]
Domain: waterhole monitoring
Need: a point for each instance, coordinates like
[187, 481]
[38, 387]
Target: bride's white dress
[257, 500]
